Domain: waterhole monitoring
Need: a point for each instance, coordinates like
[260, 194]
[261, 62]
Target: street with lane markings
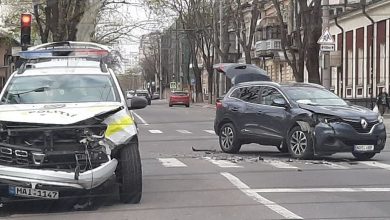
[185, 176]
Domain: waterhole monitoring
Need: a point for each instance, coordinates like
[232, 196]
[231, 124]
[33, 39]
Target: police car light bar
[63, 53]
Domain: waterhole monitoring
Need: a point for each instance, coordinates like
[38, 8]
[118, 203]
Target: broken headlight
[319, 118]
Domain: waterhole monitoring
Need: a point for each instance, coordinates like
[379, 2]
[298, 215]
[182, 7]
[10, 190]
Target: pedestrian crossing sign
[326, 38]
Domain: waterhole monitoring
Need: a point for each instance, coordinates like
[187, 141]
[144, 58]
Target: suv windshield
[313, 96]
[60, 89]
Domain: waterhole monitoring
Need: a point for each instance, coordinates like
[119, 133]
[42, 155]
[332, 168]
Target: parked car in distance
[145, 94]
[179, 98]
[300, 118]
[156, 95]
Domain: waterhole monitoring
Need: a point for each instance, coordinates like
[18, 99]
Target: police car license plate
[364, 148]
[35, 193]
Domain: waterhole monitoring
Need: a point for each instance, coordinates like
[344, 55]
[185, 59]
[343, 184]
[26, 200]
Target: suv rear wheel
[300, 144]
[228, 139]
[130, 174]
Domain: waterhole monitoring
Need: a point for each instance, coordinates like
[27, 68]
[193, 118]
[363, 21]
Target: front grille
[359, 128]
[9, 156]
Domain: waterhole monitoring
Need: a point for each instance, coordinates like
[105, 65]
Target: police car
[66, 126]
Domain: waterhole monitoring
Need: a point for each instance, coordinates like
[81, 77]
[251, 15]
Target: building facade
[360, 66]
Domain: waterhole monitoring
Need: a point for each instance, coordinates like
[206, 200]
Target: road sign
[327, 47]
[326, 38]
[172, 85]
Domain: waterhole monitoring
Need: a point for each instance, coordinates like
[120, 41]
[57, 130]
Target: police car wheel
[130, 174]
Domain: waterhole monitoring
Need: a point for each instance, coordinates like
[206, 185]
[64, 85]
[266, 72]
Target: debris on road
[204, 150]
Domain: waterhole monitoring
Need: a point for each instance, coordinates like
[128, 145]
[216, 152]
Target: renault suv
[66, 127]
[302, 119]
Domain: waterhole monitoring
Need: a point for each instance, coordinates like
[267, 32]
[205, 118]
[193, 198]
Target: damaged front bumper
[337, 137]
[34, 177]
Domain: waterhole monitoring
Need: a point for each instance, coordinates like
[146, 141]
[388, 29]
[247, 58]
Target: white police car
[66, 126]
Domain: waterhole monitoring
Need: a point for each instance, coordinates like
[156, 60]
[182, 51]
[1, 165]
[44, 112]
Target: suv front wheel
[228, 139]
[129, 173]
[300, 144]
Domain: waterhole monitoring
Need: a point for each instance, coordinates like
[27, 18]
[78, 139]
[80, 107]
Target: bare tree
[245, 34]
[300, 48]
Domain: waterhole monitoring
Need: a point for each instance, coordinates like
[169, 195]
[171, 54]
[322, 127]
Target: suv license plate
[364, 147]
[35, 193]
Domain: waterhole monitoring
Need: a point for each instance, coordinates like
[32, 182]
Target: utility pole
[326, 73]
[160, 65]
[221, 43]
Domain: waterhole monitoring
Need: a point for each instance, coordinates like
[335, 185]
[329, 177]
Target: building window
[382, 62]
[360, 69]
[349, 92]
[278, 45]
[350, 68]
[359, 91]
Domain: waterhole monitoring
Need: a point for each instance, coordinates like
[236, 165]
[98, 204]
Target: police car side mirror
[136, 102]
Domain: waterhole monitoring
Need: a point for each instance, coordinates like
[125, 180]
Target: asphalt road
[257, 183]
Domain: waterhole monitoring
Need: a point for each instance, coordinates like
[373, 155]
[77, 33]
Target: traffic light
[25, 29]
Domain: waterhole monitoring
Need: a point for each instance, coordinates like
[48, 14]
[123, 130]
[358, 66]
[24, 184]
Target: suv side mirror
[136, 102]
[279, 102]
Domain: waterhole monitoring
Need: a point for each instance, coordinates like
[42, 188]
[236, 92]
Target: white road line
[376, 164]
[311, 190]
[171, 162]
[258, 198]
[140, 118]
[184, 131]
[335, 166]
[223, 163]
[280, 164]
[209, 131]
[155, 131]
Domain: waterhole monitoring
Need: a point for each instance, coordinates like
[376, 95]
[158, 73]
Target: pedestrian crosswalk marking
[312, 190]
[223, 163]
[171, 162]
[210, 131]
[155, 131]
[184, 131]
[376, 164]
[280, 164]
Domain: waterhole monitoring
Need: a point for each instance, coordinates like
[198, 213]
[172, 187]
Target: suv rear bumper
[341, 137]
[86, 180]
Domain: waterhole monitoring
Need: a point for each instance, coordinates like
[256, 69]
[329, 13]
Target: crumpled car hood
[60, 114]
[350, 112]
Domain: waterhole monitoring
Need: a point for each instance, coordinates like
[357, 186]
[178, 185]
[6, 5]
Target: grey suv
[303, 119]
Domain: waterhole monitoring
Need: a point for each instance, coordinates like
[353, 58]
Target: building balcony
[268, 47]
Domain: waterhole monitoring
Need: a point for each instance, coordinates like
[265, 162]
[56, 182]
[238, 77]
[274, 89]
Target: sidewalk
[207, 105]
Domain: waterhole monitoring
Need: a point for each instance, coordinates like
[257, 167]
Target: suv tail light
[218, 104]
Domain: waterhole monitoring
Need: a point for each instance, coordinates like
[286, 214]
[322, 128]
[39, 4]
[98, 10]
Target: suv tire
[130, 174]
[228, 140]
[363, 156]
[300, 144]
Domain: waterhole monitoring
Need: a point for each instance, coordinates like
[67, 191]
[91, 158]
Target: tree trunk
[210, 72]
[248, 58]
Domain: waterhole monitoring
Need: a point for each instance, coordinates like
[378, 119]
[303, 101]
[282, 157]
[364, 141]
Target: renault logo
[364, 123]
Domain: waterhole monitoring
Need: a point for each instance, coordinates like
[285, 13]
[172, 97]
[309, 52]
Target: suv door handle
[259, 112]
[234, 109]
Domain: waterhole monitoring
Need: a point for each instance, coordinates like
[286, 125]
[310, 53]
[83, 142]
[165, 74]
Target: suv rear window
[69, 88]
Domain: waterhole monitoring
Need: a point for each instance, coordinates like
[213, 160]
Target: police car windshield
[60, 89]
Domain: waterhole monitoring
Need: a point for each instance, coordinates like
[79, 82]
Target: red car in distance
[179, 98]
